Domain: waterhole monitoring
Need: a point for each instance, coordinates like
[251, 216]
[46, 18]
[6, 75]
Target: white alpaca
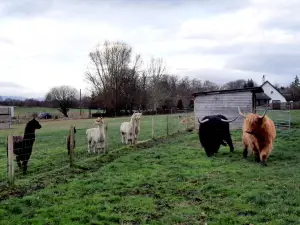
[130, 130]
[97, 137]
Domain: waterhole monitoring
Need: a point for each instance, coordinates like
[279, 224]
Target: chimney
[263, 79]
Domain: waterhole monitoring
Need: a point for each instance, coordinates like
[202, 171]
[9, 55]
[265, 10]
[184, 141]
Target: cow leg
[245, 152]
[229, 141]
[216, 149]
[223, 143]
[257, 157]
[208, 153]
[263, 156]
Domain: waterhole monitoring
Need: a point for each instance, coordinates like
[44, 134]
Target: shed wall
[5, 117]
[225, 104]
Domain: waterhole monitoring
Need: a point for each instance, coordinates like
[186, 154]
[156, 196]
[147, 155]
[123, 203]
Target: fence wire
[281, 118]
[49, 151]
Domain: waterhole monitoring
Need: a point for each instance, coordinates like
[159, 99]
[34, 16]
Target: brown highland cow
[259, 133]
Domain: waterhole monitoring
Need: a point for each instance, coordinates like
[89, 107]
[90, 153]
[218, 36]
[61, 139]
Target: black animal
[68, 141]
[23, 145]
[213, 131]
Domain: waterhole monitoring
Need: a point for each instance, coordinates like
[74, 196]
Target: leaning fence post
[152, 127]
[10, 155]
[72, 139]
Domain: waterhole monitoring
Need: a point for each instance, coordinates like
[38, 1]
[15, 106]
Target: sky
[46, 43]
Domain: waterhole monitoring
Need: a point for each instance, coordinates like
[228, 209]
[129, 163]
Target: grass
[50, 153]
[167, 181]
[23, 111]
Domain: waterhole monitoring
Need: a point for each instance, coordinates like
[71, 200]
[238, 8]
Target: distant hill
[18, 98]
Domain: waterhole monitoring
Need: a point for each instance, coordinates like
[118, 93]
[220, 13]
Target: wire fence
[281, 118]
[49, 150]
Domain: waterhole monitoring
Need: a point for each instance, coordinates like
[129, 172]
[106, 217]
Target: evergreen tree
[296, 81]
[180, 104]
[249, 83]
[191, 104]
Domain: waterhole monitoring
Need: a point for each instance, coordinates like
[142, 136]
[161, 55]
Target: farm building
[262, 99]
[226, 102]
[273, 93]
[6, 114]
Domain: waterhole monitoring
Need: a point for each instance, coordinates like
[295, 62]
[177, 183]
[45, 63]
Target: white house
[271, 91]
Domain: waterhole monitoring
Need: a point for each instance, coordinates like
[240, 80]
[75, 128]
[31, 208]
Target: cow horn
[263, 115]
[203, 121]
[241, 112]
[229, 121]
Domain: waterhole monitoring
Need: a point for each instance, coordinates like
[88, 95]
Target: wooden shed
[6, 114]
[226, 102]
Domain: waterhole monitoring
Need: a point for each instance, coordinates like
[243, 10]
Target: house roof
[262, 96]
[252, 89]
[272, 87]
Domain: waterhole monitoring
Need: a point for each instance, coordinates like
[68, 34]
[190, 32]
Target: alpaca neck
[101, 126]
[133, 123]
[29, 133]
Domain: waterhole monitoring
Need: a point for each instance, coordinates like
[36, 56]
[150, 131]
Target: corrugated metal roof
[252, 89]
[262, 96]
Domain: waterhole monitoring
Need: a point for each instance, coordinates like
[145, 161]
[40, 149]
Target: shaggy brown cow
[259, 133]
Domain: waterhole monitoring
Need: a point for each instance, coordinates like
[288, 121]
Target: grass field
[50, 145]
[167, 181]
[23, 111]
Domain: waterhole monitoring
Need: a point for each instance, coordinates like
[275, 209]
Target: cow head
[223, 120]
[253, 122]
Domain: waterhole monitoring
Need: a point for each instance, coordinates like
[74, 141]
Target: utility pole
[80, 105]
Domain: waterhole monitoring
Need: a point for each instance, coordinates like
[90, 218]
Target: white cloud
[48, 44]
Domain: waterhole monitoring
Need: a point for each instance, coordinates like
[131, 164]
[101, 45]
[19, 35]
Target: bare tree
[234, 84]
[155, 71]
[210, 86]
[110, 65]
[64, 97]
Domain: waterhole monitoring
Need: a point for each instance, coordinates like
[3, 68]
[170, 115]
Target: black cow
[213, 131]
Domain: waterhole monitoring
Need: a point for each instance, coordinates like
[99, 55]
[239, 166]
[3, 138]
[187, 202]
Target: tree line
[121, 82]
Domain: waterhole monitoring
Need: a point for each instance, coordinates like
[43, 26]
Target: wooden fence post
[167, 125]
[72, 139]
[152, 127]
[10, 156]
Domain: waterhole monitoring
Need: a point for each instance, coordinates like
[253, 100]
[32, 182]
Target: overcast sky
[44, 43]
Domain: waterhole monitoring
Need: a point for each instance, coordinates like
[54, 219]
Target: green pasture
[165, 181]
[49, 150]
